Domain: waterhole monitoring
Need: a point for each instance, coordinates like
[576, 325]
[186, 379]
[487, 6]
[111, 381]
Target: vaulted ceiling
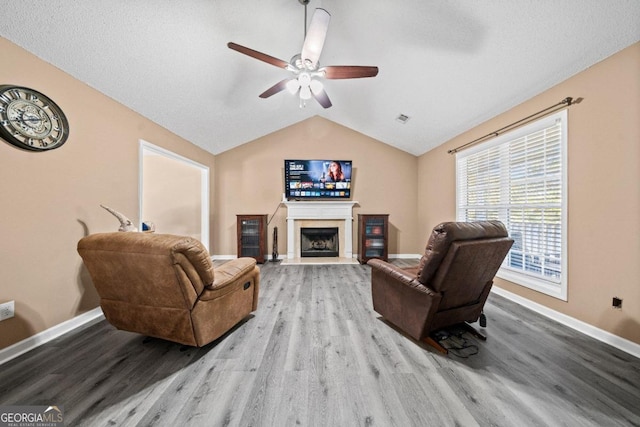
[448, 65]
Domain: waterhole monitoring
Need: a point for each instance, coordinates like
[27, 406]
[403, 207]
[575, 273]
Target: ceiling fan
[305, 67]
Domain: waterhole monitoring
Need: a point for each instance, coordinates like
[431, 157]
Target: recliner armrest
[398, 274]
[231, 271]
[231, 277]
[401, 299]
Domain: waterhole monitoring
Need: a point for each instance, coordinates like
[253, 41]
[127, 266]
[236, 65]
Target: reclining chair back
[465, 277]
[163, 285]
[131, 267]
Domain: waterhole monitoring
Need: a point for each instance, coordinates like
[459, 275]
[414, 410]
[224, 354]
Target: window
[520, 179]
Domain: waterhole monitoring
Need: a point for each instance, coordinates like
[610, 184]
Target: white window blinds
[519, 178]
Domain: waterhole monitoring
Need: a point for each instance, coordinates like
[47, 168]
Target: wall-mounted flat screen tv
[317, 179]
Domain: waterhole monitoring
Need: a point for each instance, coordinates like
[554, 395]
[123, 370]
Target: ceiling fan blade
[322, 98]
[258, 55]
[278, 87]
[314, 39]
[349, 71]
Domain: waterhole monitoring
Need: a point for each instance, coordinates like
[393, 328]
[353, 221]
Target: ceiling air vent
[403, 118]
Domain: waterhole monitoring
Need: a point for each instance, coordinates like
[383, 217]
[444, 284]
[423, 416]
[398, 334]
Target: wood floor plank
[424, 405]
[316, 354]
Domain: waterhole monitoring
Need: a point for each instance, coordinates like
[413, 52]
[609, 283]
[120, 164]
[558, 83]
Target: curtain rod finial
[570, 101]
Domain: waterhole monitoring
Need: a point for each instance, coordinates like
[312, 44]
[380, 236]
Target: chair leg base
[435, 344]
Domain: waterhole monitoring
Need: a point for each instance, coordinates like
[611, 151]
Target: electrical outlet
[617, 303]
[7, 310]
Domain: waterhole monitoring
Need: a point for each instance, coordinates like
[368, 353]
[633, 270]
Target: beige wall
[250, 180]
[603, 193]
[172, 195]
[50, 200]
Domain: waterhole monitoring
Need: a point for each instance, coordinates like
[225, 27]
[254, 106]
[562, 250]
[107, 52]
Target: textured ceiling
[448, 65]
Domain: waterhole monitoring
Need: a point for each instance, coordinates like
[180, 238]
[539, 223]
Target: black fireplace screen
[319, 242]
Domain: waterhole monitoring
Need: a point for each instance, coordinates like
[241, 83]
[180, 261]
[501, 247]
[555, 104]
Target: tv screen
[317, 179]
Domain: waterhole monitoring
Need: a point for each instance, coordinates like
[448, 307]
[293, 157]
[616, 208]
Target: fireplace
[319, 242]
[320, 214]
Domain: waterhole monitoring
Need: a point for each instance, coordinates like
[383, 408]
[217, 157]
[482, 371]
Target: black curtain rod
[568, 101]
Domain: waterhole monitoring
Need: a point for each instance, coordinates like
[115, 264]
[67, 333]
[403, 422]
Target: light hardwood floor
[316, 354]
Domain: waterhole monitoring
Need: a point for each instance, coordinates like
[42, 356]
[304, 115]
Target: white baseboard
[405, 256]
[28, 344]
[223, 257]
[587, 329]
[229, 257]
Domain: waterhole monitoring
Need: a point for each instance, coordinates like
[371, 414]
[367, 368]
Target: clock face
[30, 120]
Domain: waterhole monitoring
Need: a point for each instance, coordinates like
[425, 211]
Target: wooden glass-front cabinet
[373, 237]
[252, 236]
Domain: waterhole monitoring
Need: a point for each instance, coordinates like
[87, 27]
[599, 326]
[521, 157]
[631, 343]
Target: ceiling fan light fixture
[316, 86]
[304, 79]
[293, 86]
[305, 92]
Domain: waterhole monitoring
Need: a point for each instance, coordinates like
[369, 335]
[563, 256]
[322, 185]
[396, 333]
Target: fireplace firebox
[319, 242]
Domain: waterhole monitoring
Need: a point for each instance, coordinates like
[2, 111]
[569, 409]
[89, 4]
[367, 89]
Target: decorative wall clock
[30, 120]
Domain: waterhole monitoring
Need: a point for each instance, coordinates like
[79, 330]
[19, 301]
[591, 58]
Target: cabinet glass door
[250, 236]
[374, 237]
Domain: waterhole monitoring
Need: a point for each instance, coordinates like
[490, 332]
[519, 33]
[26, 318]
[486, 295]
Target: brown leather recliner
[165, 286]
[449, 286]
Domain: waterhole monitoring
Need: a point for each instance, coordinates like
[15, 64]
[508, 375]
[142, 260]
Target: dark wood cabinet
[373, 237]
[252, 236]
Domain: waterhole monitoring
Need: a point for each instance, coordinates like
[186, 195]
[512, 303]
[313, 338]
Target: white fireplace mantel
[320, 210]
